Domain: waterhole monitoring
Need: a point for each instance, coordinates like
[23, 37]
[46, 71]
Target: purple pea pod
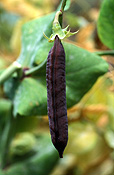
[56, 96]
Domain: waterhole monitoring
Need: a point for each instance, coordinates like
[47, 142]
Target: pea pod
[56, 96]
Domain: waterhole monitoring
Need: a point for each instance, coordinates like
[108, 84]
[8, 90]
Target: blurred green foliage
[25, 143]
[7, 22]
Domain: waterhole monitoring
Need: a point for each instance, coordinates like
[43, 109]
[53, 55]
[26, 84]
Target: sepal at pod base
[57, 30]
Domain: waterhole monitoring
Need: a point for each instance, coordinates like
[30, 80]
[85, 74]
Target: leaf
[33, 39]
[22, 144]
[10, 87]
[30, 98]
[68, 2]
[79, 133]
[106, 23]
[2, 63]
[109, 136]
[82, 70]
[40, 163]
[7, 22]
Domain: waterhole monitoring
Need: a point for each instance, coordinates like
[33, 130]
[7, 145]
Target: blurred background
[90, 149]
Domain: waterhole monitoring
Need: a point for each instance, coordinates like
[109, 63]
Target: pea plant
[50, 76]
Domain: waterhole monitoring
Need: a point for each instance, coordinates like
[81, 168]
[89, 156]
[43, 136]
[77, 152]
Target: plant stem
[62, 10]
[105, 52]
[63, 5]
[15, 66]
[57, 16]
[8, 134]
[35, 69]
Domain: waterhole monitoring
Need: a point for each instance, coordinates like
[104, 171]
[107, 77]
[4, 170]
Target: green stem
[63, 5]
[35, 69]
[7, 136]
[105, 52]
[15, 66]
[56, 20]
[62, 10]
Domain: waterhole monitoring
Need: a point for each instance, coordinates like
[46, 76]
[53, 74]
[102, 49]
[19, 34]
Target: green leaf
[30, 98]
[7, 22]
[33, 39]
[40, 163]
[109, 136]
[106, 23]
[68, 2]
[10, 87]
[2, 63]
[82, 70]
[22, 144]
[67, 6]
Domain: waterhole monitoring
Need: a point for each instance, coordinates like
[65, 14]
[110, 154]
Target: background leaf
[44, 156]
[106, 23]
[68, 2]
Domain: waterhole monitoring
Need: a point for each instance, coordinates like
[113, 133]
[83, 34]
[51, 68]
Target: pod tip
[60, 155]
